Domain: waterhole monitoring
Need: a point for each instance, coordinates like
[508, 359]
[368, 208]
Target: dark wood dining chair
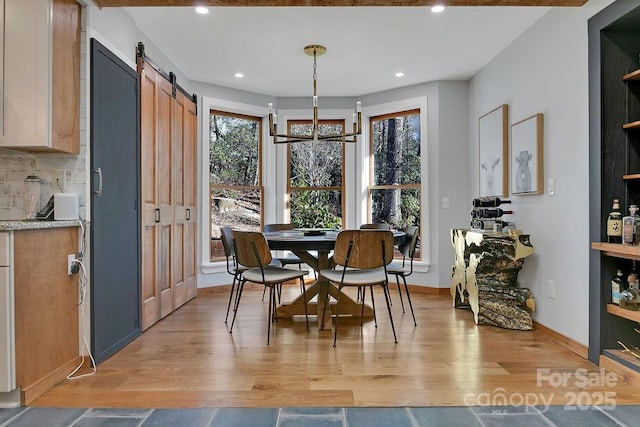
[233, 268]
[361, 257]
[252, 251]
[408, 250]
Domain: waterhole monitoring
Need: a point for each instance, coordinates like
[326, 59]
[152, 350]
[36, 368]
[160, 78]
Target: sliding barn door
[115, 217]
[168, 151]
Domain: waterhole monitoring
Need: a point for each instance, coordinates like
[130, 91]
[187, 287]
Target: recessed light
[437, 8]
[202, 10]
[239, 75]
[399, 74]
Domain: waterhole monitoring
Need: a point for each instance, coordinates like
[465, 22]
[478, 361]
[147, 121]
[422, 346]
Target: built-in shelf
[632, 125]
[618, 250]
[621, 312]
[624, 358]
[631, 176]
[634, 75]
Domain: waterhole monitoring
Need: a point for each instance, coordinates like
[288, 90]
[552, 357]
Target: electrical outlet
[445, 203]
[70, 263]
[551, 288]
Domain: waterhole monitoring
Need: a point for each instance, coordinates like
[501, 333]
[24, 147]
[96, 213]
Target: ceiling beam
[337, 3]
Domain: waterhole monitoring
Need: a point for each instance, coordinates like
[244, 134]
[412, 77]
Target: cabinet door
[190, 191]
[41, 76]
[27, 36]
[7, 343]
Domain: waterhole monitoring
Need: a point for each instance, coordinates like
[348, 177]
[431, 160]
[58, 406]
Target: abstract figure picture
[492, 166]
[526, 156]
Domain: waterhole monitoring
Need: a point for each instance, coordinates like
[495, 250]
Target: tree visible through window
[394, 195]
[234, 175]
[315, 177]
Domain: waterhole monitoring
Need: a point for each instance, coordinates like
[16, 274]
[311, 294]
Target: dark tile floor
[324, 417]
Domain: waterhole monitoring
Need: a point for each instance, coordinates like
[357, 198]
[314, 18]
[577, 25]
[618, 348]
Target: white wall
[545, 71]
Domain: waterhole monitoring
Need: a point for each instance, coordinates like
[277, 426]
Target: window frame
[260, 187]
[416, 186]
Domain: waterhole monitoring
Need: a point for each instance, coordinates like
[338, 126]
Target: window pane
[316, 208]
[323, 128]
[238, 209]
[316, 164]
[399, 207]
[396, 150]
[233, 148]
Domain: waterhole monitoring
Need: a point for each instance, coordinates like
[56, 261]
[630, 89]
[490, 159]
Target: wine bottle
[488, 202]
[614, 223]
[489, 213]
[617, 286]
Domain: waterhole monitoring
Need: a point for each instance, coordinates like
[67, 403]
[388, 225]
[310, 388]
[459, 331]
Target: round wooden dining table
[313, 247]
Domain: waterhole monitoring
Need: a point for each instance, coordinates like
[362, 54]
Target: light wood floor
[189, 359]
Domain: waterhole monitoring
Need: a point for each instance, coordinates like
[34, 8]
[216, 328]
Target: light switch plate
[445, 203]
[551, 186]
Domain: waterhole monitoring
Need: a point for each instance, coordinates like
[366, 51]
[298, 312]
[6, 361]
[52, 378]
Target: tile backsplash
[57, 173]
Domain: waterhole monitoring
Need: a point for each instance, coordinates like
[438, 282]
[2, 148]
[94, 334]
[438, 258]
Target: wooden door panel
[149, 193]
[190, 191]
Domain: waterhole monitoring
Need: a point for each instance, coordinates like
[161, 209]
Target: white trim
[208, 104]
[363, 179]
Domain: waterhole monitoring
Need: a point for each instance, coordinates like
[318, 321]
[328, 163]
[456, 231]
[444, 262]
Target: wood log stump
[484, 277]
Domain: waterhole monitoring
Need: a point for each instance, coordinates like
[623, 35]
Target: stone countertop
[35, 225]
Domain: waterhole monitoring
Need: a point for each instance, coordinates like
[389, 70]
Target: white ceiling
[366, 46]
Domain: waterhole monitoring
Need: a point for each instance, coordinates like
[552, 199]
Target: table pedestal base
[348, 307]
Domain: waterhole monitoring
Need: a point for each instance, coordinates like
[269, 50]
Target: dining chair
[375, 226]
[289, 258]
[408, 250]
[252, 251]
[233, 268]
[362, 257]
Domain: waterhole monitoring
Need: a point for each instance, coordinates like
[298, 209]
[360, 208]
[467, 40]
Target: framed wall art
[526, 156]
[493, 158]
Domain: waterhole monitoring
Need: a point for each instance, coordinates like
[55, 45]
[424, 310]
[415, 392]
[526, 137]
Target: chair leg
[279, 293]
[400, 290]
[373, 305]
[263, 291]
[235, 308]
[406, 288]
[304, 298]
[395, 339]
[269, 319]
[324, 309]
[361, 307]
[233, 285]
[335, 333]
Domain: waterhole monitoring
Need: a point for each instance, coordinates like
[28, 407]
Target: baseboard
[37, 389]
[566, 342]
[412, 288]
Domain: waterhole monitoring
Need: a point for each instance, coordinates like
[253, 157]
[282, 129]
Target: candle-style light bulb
[354, 117]
[315, 101]
[270, 106]
[358, 106]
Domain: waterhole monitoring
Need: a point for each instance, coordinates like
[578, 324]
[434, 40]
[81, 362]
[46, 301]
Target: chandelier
[315, 51]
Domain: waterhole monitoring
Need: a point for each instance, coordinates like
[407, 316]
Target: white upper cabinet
[40, 81]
